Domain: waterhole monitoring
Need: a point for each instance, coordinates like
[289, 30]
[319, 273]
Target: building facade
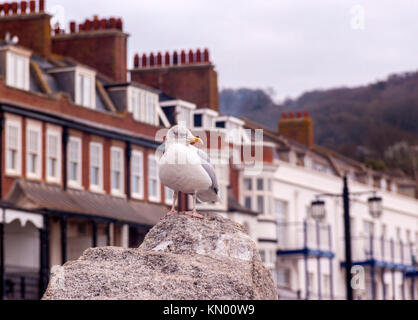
[79, 153]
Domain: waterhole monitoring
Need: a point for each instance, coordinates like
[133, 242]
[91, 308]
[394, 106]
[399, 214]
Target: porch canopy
[33, 196]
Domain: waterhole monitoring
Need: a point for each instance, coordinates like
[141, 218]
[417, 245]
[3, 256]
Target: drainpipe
[128, 154]
[65, 138]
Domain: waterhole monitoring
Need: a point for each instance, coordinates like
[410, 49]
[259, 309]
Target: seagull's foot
[193, 214]
[170, 213]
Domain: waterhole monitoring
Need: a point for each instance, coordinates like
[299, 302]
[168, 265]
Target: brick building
[79, 151]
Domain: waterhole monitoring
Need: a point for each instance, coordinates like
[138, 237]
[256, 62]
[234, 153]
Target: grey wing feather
[209, 169]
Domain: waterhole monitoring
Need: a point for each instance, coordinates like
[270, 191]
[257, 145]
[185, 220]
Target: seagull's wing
[207, 165]
[160, 150]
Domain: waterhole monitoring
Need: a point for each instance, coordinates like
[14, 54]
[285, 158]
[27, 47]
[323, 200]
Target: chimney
[299, 128]
[188, 76]
[28, 21]
[98, 43]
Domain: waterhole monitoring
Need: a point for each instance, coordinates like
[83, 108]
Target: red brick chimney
[191, 77]
[98, 43]
[28, 21]
[299, 128]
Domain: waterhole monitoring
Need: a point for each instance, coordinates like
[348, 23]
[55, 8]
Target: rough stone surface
[180, 258]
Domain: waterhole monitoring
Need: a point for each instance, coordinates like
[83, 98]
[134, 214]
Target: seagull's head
[180, 134]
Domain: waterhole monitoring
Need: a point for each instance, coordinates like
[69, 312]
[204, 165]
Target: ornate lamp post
[318, 212]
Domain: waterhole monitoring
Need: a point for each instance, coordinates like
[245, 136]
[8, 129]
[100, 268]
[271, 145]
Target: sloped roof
[33, 195]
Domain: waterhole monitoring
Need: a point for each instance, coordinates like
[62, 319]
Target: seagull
[185, 168]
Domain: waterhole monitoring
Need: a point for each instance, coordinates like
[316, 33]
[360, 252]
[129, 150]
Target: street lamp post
[375, 210]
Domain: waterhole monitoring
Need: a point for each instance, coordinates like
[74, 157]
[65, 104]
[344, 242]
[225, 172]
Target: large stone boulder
[180, 258]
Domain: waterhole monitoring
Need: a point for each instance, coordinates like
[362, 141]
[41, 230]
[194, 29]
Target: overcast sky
[289, 45]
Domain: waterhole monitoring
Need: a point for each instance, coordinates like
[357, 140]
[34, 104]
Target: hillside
[376, 124]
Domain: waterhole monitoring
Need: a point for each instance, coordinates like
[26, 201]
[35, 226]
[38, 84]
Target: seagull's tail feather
[208, 196]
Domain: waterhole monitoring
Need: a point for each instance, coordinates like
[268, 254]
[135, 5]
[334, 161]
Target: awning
[38, 196]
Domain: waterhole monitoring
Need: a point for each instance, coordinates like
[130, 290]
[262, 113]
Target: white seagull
[185, 168]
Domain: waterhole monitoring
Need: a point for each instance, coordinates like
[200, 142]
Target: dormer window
[85, 88]
[16, 70]
[143, 105]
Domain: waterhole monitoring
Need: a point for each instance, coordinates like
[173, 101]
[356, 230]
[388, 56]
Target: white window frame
[14, 77]
[37, 128]
[157, 197]
[99, 187]
[18, 125]
[75, 183]
[121, 190]
[140, 174]
[151, 100]
[80, 77]
[57, 134]
[168, 195]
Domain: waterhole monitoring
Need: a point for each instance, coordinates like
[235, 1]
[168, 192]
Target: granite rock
[181, 258]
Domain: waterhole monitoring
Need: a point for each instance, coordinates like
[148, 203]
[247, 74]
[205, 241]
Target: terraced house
[79, 165]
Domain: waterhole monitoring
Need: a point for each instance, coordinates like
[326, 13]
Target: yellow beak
[196, 140]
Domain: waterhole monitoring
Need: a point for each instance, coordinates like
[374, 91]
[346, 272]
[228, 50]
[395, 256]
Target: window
[117, 170]
[74, 162]
[151, 111]
[168, 193]
[17, 71]
[184, 116]
[262, 255]
[283, 277]
[248, 203]
[197, 119]
[53, 152]
[280, 210]
[96, 164]
[248, 184]
[137, 175]
[260, 184]
[136, 103]
[260, 204]
[33, 151]
[13, 147]
[153, 181]
[85, 89]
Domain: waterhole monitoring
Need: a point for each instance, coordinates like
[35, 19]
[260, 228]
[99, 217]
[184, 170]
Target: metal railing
[21, 286]
[384, 250]
[307, 234]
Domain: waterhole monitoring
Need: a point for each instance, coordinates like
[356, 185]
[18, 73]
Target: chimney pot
[23, 7]
[41, 5]
[151, 59]
[306, 114]
[191, 56]
[119, 24]
[198, 56]
[206, 55]
[175, 58]
[87, 25]
[183, 57]
[81, 27]
[159, 59]
[103, 24]
[96, 23]
[72, 26]
[291, 115]
[298, 115]
[32, 6]
[167, 58]
[14, 7]
[136, 60]
[284, 115]
[112, 23]
[6, 7]
[144, 60]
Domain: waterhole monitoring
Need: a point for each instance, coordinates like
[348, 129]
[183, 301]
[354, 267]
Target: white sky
[289, 45]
